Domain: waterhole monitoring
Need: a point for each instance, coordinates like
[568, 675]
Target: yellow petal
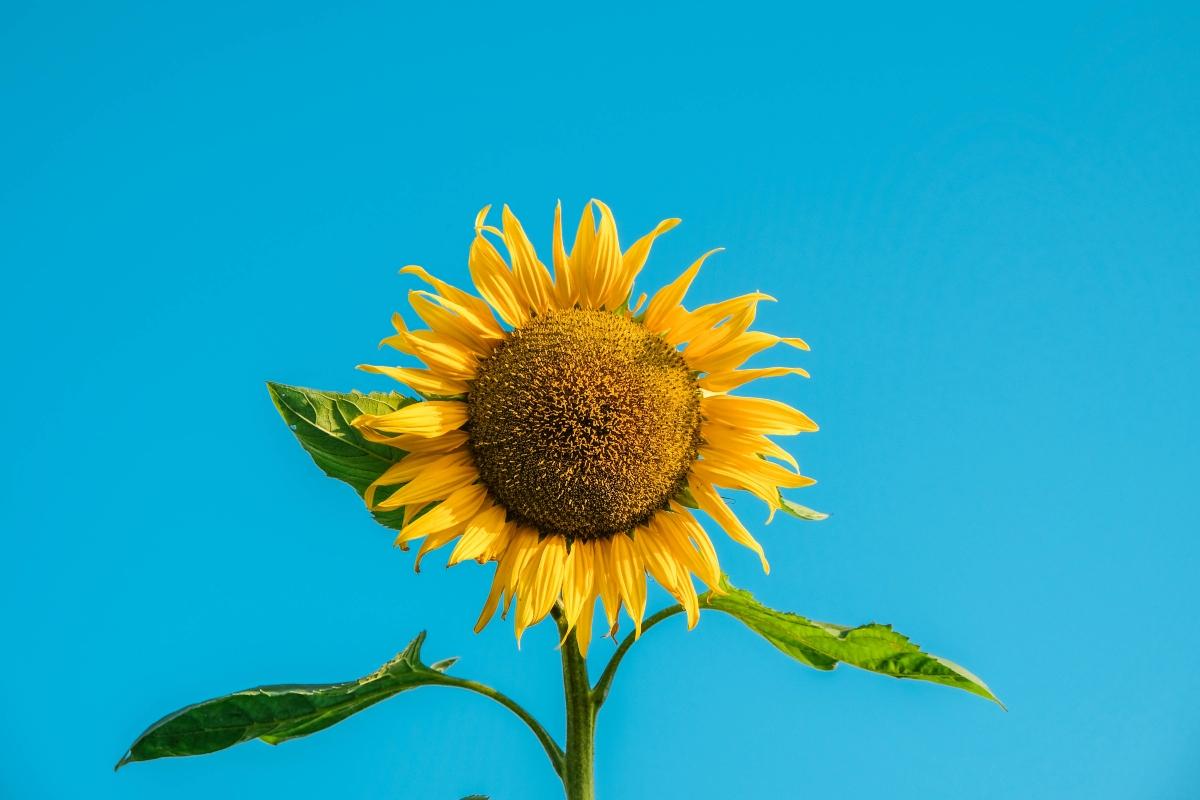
[485, 327]
[478, 311]
[583, 259]
[734, 440]
[755, 414]
[606, 582]
[453, 513]
[735, 353]
[540, 583]
[635, 257]
[583, 626]
[531, 275]
[755, 467]
[434, 541]
[411, 513]
[711, 503]
[442, 354]
[402, 471]
[566, 291]
[717, 339]
[751, 476]
[732, 379]
[435, 483]
[577, 581]
[483, 537]
[420, 380]
[522, 544]
[493, 280]
[668, 298]
[607, 290]
[708, 568]
[442, 320]
[451, 440]
[700, 322]
[669, 573]
[428, 418]
[521, 555]
[626, 565]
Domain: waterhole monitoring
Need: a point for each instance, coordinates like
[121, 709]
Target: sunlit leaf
[278, 713]
[321, 423]
[822, 645]
[799, 511]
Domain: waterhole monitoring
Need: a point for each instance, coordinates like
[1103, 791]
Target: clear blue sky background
[985, 224]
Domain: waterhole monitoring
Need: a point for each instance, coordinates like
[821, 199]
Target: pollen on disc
[583, 423]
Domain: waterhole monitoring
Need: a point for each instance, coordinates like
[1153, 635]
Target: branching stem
[600, 693]
[547, 741]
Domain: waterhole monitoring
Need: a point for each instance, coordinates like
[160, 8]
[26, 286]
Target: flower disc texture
[568, 436]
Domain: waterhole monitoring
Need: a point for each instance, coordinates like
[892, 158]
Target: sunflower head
[567, 436]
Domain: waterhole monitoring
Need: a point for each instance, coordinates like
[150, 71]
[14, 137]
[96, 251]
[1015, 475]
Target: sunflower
[568, 435]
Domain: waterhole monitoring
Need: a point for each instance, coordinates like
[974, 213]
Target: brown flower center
[584, 423]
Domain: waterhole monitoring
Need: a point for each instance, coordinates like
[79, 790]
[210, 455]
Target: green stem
[552, 749]
[583, 704]
[578, 775]
[600, 693]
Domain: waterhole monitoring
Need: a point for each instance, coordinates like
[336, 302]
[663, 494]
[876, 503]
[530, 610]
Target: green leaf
[278, 713]
[799, 511]
[321, 423]
[873, 647]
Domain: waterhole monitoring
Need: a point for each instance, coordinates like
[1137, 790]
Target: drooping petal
[606, 582]
[626, 565]
[483, 535]
[434, 541]
[583, 625]
[751, 477]
[404, 471]
[641, 301]
[711, 503]
[577, 581]
[521, 558]
[453, 513]
[435, 483]
[540, 583]
[669, 573]
[707, 567]
[510, 563]
[754, 467]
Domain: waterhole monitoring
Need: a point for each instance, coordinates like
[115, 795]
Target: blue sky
[984, 222]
